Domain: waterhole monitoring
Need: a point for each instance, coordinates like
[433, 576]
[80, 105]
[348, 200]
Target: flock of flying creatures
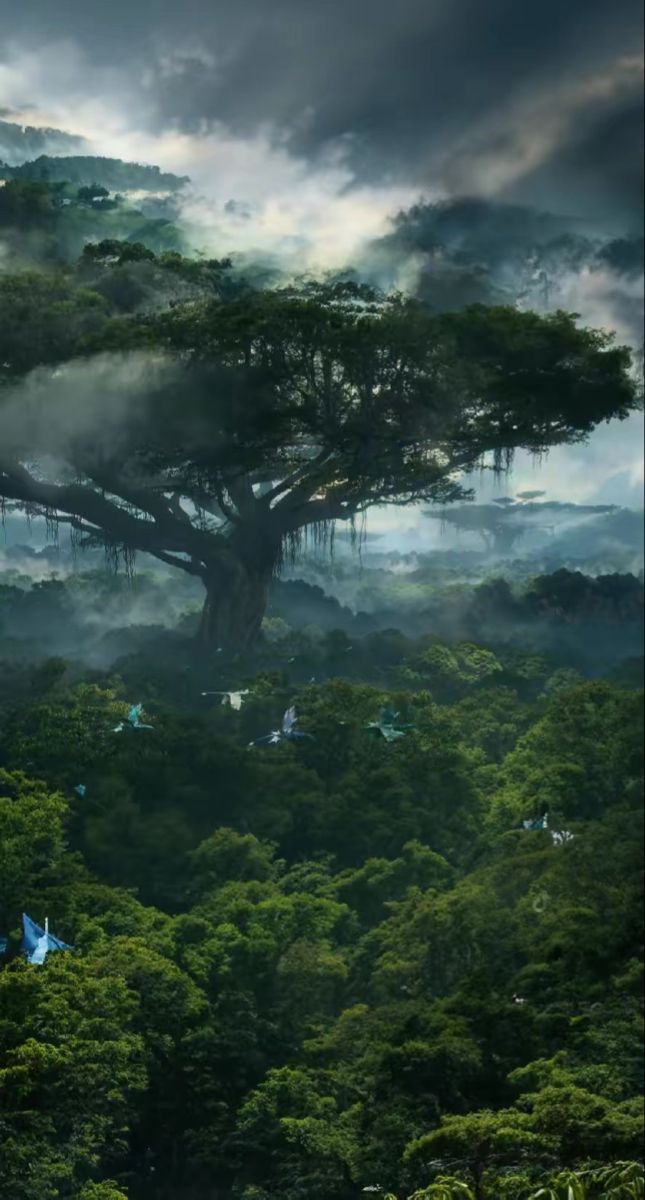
[38, 942]
[558, 837]
[385, 726]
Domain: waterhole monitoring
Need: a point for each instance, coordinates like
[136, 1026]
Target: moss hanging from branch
[295, 543]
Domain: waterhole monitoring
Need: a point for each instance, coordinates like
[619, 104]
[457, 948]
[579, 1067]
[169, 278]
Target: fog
[446, 179]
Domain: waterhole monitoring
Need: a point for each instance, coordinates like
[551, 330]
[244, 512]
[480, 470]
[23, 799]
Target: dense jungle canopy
[400, 956]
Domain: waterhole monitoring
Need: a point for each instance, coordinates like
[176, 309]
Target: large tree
[272, 416]
[504, 522]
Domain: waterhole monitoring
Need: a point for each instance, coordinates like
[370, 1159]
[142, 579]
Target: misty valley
[321, 693]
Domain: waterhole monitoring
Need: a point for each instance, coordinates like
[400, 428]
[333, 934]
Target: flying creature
[234, 699]
[37, 942]
[537, 822]
[386, 726]
[133, 720]
[560, 838]
[288, 732]
[80, 789]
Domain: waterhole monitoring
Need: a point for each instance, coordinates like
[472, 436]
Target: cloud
[86, 407]
[514, 143]
[319, 121]
[604, 470]
[249, 193]
[422, 94]
[605, 301]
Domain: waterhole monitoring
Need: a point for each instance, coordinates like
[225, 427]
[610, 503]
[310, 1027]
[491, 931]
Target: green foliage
[333, 997]
[41, 319]
[301, 408]
[72, 1069]
[101, 1191]
[445, 1189]
[86, 169]
[624, 1181]
[47, 223]
[298, 968]
[31, 843]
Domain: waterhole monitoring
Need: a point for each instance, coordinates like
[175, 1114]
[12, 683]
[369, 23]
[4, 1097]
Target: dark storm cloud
[600, 169]
[418, 89]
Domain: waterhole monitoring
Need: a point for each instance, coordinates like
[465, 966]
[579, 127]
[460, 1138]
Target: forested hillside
[45, 222]
[86, 169]
[306, 969]
[21, 142]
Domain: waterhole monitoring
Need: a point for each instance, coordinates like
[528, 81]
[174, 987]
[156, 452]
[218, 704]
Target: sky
[321, 119]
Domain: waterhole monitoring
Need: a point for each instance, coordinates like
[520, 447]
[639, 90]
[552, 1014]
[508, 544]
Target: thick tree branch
[191, 566]
[164, 534]
[290, 481]
[240, 489]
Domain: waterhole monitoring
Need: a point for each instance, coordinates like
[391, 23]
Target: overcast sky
[322, 118]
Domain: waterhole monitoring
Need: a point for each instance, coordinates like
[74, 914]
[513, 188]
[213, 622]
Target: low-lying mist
[577, 598]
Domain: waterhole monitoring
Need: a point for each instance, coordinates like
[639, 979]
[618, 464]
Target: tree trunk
[477, 1180]
[236, 600]
[505, 539]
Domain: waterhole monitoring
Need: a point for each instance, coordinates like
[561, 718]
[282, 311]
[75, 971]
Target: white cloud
[317, 216]
[312, 216]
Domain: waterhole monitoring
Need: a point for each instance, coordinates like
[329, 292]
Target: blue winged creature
[133, 721]
[386, 726]
[288, 732]
[37, 942]
[537, 822]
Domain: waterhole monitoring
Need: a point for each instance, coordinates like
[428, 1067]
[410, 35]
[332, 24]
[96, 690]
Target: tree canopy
[268, 417]
[506, 521]
[388, 982]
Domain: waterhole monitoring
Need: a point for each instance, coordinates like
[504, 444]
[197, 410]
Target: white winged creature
[562, 836]
[234, 699]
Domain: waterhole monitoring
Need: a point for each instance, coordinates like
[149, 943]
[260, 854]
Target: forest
[320, 859]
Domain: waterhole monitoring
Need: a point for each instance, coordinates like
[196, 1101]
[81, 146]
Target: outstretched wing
[39, 954]
[289, 720]
[273, 737]
[387, 715]
[390, 734]
[537, 823]
[561, 837]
